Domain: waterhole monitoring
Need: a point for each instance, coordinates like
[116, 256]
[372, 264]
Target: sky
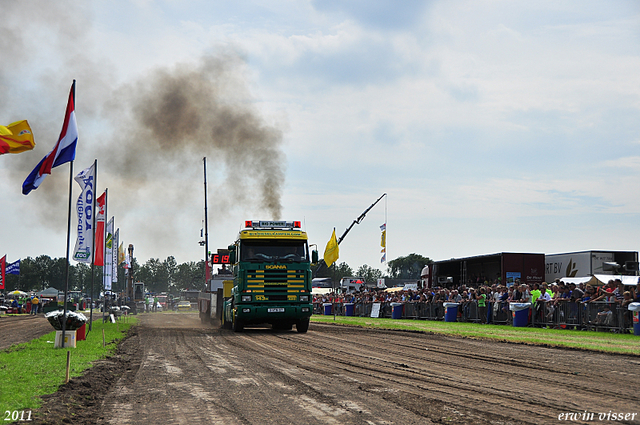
[491, 126]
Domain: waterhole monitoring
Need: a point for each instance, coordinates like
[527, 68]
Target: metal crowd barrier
[597, 316]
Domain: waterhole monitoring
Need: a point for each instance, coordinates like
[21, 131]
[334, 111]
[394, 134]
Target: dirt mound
[80, 401]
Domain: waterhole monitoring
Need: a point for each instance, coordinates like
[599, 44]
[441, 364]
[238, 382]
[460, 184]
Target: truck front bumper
[261, 313]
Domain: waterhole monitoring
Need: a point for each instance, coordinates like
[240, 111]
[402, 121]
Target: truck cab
[271, 277]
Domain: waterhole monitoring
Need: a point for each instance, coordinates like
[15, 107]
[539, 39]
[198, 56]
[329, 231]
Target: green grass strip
[36, 368]
[584, 340]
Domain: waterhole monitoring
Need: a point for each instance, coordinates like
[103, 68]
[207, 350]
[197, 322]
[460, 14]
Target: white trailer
[588, 263]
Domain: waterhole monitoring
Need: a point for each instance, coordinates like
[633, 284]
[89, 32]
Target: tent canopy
[602, 279]
[48, 293]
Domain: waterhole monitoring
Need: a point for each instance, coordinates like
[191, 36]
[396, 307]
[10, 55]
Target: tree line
[408, 267]
[168, 276]
[44, 272]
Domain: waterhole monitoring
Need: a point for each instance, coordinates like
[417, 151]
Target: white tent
[577, 280]
[601, 279]
[626, 280]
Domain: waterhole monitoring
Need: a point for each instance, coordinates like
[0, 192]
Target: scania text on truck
[271, 277]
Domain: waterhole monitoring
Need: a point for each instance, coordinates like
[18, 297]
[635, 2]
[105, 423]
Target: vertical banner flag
[3, 264]
[84, 243]
[383, 242]
[121, 257]
[114, 274]
[107, 275]
[13, 268]
[99, 248]
[16, 137]
[64, 151]
[331, 252]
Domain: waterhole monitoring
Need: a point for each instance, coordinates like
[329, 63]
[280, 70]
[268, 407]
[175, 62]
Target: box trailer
[588, 263]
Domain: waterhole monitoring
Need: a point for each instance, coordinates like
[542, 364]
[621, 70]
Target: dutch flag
[63, 152]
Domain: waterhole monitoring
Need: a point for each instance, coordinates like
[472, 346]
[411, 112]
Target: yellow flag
[383, 241]
[16, 137]
[121, 257]
[331, 252]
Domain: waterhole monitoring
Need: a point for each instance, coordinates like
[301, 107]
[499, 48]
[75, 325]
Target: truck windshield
[270, 250]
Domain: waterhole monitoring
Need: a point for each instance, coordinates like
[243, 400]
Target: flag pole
[93, 242]
[206, 231]
[104, 254]
[66, 279]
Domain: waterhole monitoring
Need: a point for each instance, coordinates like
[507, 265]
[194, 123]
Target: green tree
[188, 276]
[147, 273]
[82, 278]
[408, 267]
[369, 274]
[170, 268]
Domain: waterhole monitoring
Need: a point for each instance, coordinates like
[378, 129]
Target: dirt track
[174, 370]
[23, 328]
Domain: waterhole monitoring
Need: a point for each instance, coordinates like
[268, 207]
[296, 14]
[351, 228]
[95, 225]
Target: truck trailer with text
[588, 263]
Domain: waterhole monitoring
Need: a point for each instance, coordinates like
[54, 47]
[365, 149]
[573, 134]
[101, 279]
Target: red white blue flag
[63, 152]
[3, 265]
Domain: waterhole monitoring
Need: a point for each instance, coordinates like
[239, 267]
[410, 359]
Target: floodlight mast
[356, 221]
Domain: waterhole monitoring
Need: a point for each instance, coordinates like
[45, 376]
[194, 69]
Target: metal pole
[66, 279]
[104, 253]
[93, 242]
[206, 228]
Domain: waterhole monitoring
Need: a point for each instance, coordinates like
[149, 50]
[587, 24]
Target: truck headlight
[304, 298]
[305, 309]
[246, 298]
[246, 310]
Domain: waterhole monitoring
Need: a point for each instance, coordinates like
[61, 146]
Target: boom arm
[356, 221]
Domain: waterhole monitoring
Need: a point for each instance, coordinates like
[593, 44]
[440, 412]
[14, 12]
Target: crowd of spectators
[546, 298]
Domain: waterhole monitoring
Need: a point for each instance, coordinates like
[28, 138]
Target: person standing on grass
[35, 303]
[481, 297]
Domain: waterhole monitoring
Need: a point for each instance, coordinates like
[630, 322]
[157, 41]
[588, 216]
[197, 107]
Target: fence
[597, 316]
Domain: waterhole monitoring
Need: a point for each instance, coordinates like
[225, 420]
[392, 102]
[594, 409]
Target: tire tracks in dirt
[180, 371]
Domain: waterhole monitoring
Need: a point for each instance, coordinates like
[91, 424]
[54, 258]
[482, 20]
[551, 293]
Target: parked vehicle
[183, 306]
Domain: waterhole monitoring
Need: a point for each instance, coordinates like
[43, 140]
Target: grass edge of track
[605, 342]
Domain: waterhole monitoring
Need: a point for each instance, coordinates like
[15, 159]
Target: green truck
[271, 277]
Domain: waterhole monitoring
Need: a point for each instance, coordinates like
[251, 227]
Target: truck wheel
[302, 325]
[237, 324]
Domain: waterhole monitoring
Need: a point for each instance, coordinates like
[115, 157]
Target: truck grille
[276, 284]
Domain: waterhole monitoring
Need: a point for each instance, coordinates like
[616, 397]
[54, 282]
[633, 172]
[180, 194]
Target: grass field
[36, 368]
[594, 341]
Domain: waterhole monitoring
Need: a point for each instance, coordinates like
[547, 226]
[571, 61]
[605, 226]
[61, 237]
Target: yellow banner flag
[16, 137]
[121, 257]
[331, 252]
[383, 241]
